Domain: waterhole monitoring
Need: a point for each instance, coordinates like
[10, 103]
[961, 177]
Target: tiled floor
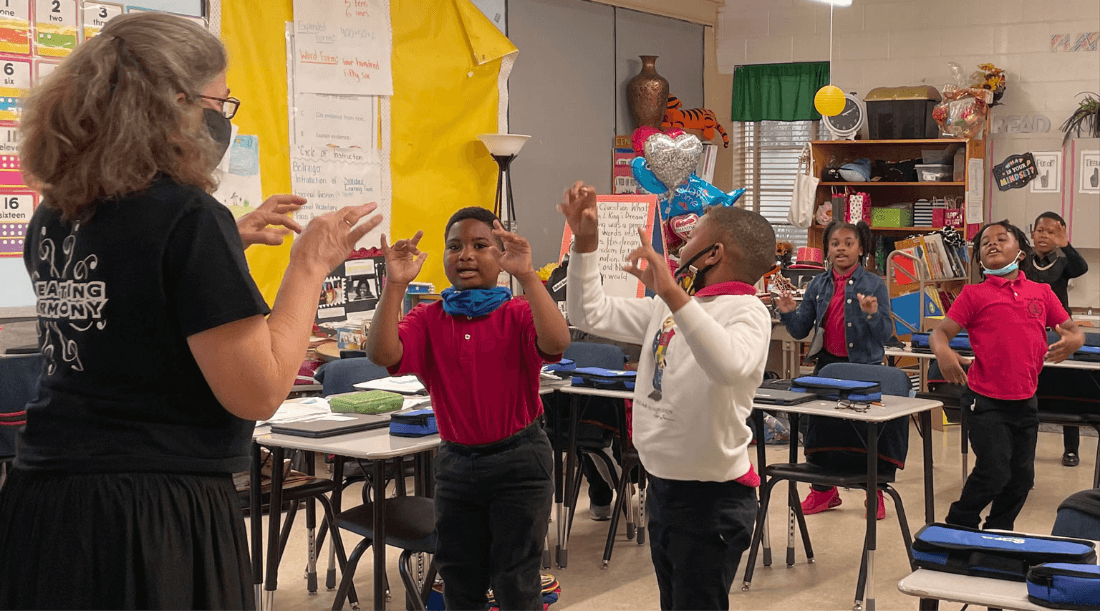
[837, 535]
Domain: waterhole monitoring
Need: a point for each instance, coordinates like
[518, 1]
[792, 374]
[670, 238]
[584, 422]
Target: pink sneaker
[881, 513]
[816, 501]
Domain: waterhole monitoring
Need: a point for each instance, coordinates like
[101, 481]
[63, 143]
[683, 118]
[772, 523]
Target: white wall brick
[914, 43]
[1060, 10]
[985, 12]
[890, 17]
[885, 73]
[771, 50]
[846, 20]
[811, 48]
[967, 41]
[795, 21]
[1022, 38]
[862, 46]
[731, 53]
[744, 24]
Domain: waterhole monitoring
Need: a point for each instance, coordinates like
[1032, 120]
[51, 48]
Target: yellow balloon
[829, 100]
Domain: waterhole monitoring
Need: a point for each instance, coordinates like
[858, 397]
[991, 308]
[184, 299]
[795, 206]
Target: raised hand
[869, 303]
[516, 256]
[785, 303]
[1060, 238]
[403, 260]
[578, 205]
[328, 240]
[652, 269]
[262, 225]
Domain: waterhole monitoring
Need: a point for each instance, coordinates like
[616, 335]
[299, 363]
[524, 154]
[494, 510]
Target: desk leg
[559, 476]
[311, 530]
[761, 466]
[570, 474]
[256, 520]
[792, 492]
[872, 521]
[274, 514]
[929, 488]
[929, 604]
[378, 484]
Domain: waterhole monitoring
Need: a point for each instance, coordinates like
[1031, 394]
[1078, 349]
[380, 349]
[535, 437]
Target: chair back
[18, 386]
[892, 380]
[588, 354]
[342, 375]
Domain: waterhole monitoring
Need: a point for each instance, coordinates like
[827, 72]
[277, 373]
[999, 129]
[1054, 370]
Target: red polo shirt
[482, 373]
[833, 322]
[1007, 322]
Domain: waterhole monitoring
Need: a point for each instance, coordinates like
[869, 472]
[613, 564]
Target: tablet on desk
[327, 425]
[771, 396]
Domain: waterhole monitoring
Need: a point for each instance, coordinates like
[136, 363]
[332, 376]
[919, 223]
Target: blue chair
[342, 375]
[893, 382]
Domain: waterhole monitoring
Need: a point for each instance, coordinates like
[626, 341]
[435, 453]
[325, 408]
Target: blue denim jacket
[865, 334]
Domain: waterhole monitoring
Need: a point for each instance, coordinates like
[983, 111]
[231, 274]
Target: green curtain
[778, 92]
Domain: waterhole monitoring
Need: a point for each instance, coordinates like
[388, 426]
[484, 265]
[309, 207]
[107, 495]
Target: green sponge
[369, 402]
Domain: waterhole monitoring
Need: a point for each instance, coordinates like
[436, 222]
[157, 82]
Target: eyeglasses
[855, 406]
[229, 105]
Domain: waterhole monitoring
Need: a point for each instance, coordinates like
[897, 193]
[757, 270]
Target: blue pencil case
[1064, 585]
[968, 551]
[833, 388]
[959, 343]
[563, 368]
[1087, 353]
[417, 423]
[604, 379]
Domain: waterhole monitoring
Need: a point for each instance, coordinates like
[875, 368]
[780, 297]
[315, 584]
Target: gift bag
[801, 213]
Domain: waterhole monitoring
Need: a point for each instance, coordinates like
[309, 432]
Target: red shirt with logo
[833, 322]
[1007, 322]
[482, 373]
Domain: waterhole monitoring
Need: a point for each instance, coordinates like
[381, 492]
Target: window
[766, 164]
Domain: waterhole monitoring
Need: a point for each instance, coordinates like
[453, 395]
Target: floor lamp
[504, 148]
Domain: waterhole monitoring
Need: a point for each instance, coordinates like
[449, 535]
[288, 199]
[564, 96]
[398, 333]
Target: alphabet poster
[343, 47]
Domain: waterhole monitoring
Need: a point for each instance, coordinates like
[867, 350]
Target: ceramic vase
[647, 95]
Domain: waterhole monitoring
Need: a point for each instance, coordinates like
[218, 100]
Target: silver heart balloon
[672, 160]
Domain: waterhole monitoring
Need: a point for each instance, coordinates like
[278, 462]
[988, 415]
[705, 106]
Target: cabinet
[838, 152]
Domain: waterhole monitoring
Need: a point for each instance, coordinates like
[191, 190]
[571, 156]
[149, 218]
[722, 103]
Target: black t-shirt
[1056, 268]
[117, 297]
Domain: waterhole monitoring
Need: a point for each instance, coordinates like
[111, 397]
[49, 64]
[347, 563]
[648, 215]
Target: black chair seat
[1078, 419]
[808, 472]
[410, 522]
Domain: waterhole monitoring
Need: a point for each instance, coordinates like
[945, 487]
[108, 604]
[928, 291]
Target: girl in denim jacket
[849, 325]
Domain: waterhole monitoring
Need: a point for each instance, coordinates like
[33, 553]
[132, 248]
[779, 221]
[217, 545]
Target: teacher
[160, 354]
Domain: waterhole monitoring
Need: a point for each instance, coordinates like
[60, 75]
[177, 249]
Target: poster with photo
[352, 290]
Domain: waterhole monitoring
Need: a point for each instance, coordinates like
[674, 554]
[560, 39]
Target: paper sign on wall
[333, 178]
[342, 47]
[15, 27]
[16, 208]
[1049, 165]
[1090, 171]
[620, 217]
[96, 15]
[340, 120]
[15, 82]
[239, 186]
[975, 191]
[44, 68]
[57, 22]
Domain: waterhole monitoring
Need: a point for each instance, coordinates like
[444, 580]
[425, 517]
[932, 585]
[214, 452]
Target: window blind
[766, 164]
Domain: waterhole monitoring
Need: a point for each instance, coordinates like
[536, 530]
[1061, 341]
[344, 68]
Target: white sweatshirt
[714, 361]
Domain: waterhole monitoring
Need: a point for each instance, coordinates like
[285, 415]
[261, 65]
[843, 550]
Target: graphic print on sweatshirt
[660, 351]
[69, 301]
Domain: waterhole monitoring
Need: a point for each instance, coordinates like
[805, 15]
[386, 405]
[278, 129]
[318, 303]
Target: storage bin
[933, 172]
[891, 217]
[902, 113]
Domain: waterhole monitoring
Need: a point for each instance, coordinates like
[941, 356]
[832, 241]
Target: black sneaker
[1070, 459]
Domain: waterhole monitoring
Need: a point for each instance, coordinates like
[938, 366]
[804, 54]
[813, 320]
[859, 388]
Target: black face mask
[221, 130]
[689, 277]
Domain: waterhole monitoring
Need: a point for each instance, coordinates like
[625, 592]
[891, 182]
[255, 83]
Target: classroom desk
[375, 446]
[1067, 364]
[892, 407]
[934, 586]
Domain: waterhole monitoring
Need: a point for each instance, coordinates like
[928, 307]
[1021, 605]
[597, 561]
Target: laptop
[770, 396]
[328, 425]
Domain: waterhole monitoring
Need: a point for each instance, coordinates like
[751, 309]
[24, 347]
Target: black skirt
[122, 541]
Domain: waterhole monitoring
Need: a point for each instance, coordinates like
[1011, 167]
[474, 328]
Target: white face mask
[1004, 271]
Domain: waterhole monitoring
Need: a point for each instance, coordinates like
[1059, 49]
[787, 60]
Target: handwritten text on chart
[342, 47]
[329, 184]
[620, 218]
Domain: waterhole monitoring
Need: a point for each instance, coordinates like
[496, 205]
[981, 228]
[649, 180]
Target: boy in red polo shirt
[479, 353]
[1006, 317]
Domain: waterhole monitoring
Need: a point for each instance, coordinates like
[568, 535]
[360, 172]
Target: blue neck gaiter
[474, 302]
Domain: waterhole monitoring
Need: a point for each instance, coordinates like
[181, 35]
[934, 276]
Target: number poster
[15, 27]
[16, 208]
[57, 23]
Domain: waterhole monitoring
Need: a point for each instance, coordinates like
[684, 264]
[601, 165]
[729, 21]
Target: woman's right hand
[328, 240]
[785, 304]
[403, 260]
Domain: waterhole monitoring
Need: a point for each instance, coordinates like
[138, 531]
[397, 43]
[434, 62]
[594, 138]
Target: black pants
[824, 357]
[697, 534]
[1003, 434]
[492, 508]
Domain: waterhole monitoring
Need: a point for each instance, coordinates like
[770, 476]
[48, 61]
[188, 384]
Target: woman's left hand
[868, 304]
[261, 226]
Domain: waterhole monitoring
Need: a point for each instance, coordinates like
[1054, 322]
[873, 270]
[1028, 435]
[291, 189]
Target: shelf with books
[882, 183]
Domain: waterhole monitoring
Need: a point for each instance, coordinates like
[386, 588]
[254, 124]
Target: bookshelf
[838, 152]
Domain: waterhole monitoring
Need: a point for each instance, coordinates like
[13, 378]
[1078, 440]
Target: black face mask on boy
[221, 129]
[689, 277]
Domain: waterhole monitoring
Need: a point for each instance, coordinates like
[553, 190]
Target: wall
[883, 43]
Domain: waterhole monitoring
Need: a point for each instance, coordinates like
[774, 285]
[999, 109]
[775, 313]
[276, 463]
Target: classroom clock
[846, 124]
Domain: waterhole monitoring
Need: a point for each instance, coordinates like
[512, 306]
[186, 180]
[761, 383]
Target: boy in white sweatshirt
[703, 356]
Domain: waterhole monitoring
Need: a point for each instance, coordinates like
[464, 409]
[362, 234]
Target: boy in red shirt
[1006, 317]
[479, 353]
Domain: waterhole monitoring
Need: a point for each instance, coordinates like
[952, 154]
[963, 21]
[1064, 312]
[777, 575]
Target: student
[848, 309]
[121, 496]
[1053, 261]
[1006, 316]
[479, 353]
[689, 411]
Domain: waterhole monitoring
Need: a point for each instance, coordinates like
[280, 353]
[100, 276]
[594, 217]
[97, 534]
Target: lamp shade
[829, 100]
[504, 144]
